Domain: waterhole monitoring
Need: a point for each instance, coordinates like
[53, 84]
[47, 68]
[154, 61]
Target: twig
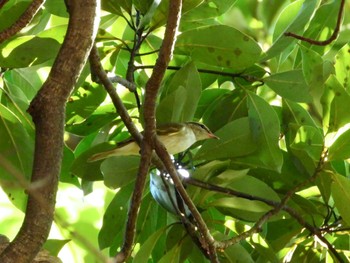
[127, 84]
[118, 103]
[23, 20]
[330, 39]
[208, 71]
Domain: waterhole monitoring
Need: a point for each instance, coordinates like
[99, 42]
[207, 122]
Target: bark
[48, 113]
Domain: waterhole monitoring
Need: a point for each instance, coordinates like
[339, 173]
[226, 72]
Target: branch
[98, 70]
[330, 39]
[23, 20]
[248, 78]
[48, 113]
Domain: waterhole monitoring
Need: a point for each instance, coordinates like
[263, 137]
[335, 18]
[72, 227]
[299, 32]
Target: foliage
[279, 106]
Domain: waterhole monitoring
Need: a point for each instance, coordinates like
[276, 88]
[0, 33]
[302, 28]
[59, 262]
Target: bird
[176, 137]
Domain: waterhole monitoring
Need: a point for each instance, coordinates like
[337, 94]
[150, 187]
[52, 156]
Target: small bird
[176, 137]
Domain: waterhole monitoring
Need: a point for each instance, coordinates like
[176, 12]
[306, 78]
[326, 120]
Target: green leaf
[342, 67]
[240, 181]
[231, 105]
[290, 85]
[208, 9]
[11, 12]
[181, 97]
[295, 113]
[146, 249]
[340, 149]
[313, 71]
[119, 171]
[17, 147]
[229, 48]
[56, 7]
[114, 218]
[265, 128]
[161, 13]
[235, 140]
[335, 100]
[55, 245]
[207, 101]
[341, 195]
[238, 251]
[92, 95]
[310, 140]
[27, 50]
[292, 19]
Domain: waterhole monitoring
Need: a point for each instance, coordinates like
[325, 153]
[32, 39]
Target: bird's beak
[213, 136]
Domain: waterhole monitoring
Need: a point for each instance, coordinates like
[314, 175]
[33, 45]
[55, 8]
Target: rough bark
[48, 113]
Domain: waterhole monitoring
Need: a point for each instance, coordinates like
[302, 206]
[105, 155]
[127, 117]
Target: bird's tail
[101, 156]
[129, 148]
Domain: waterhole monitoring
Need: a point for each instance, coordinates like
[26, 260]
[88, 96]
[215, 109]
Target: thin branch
[127, 84]
[23, 20]
[98, 70]
[208, 71]
[3, 2]
[330, 39]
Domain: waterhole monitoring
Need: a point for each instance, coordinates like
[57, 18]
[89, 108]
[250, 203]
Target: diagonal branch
[24, 20]
[48, 113]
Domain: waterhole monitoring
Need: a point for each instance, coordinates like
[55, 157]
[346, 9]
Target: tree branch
[48, 113]
[23, 20]
[330, 39]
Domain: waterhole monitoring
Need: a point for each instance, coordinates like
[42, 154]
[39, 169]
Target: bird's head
[201, 131]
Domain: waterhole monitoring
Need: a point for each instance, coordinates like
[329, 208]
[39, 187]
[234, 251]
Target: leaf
[235, 140]
[114, 218]
[240, 181]
[27, 50]
[229, 48]
[207, 101]
[313, 71]
[180, 99]
[341, 194]
[290, 85]
[11, 12]
[286, 23]
[208, 9]
[342, 67]
[265, 129]
[340, 149]
[147, 247]
[295, 113]
[161, 13]
[55, 245]
[310, 140]
[335, 100]
[119, 171]
[236, 251]
[76, 110]
[56, 7]
[225, 108]
[16, 152]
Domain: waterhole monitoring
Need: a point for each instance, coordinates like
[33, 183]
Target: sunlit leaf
[292, 19]
[341, 195]
[229, 48]
[27, 50]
